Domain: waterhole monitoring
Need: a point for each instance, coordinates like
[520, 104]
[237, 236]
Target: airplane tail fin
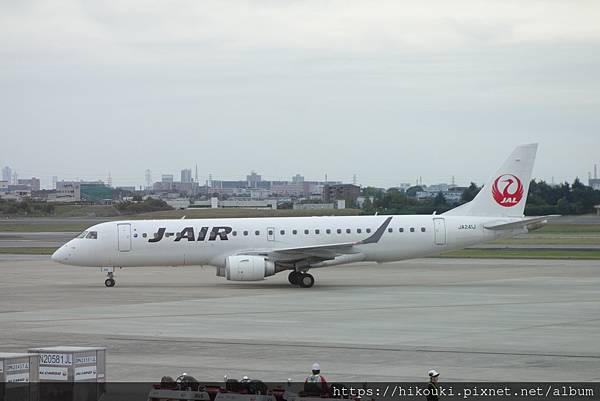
[505, 194]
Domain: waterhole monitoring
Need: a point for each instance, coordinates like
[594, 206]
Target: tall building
[186, 175]
[148, 178]
[167, 178]
[7, 174]
[594, 182]
[297, 179]
[253, 179]
[54, 181]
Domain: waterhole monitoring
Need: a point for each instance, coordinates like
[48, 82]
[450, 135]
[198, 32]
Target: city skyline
[47, 182]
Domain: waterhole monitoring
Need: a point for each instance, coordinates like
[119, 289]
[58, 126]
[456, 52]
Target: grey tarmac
[469, 319]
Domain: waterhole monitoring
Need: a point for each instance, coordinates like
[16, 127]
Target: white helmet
[433, 373]
[316, 366]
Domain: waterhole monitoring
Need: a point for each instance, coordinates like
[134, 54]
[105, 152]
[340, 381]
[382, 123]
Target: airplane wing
[531, 223]
[319, 252]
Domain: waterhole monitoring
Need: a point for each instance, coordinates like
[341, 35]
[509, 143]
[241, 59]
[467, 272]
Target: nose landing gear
[301, 279]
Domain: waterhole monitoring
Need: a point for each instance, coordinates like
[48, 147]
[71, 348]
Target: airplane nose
[55, 256]
[60, 255]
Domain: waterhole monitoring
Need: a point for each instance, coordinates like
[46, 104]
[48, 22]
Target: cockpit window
[82, 235]
[92, 235]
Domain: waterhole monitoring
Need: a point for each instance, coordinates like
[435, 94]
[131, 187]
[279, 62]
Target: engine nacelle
[248, 268]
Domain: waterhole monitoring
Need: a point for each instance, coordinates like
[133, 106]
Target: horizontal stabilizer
[530, 223]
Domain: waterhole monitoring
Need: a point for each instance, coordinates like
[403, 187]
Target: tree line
[542, 199]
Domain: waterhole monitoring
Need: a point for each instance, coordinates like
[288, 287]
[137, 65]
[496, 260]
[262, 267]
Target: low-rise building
[450, 196]
[33, 183]
[346, 192]
[244, 203]
[16, 194]
[178, 203]
[68, 190]
[313, 206]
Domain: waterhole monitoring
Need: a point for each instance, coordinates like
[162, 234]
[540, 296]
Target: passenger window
[390, 230]
[317, 231]
[282, 232]
[328, 231]
[339, 230]
[256, 232]
[92, 235]
[294, 232]
[144, 235]
[234, 233]
[368, 230]
[422, 229]
[135, 235]
[348, 231]
[401, 229]
[412, 229]
[82, 235]
[358, 230]
[270, 232]
[245, 233]
[305, 231]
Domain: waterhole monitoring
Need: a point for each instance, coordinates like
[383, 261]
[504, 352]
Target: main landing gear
[110, 281]
[301, 279]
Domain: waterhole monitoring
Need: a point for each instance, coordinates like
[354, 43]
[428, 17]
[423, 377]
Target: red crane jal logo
[507, 190]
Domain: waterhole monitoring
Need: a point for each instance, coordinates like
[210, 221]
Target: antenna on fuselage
[182, 217]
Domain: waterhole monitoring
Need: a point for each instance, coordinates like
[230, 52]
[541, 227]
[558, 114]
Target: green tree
[412, 191]
[368, 207]
[469, 194]
[562, 206]
[440, 200]
[370, 191]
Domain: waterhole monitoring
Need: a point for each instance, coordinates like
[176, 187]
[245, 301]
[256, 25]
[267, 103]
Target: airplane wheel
[294, 277]
[307, 281]
[109, 282]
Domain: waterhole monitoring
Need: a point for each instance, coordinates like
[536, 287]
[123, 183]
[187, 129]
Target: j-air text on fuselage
[251, 249]
[188, 234]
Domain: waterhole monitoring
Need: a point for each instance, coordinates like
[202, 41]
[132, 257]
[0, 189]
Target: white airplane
[250, 249]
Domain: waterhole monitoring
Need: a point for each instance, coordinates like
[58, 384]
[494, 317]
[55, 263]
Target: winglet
[377, 234]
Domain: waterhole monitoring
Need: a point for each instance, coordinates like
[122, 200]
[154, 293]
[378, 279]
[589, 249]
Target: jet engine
[248, 268]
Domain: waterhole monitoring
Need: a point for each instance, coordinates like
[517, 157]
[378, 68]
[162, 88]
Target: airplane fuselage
[209, 241]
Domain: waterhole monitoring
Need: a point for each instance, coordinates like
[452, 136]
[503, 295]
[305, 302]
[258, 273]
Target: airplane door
[271, 234]
[439, 228]
[124, 237]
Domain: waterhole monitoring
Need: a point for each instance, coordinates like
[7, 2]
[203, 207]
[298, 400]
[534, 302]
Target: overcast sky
[386, 90]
